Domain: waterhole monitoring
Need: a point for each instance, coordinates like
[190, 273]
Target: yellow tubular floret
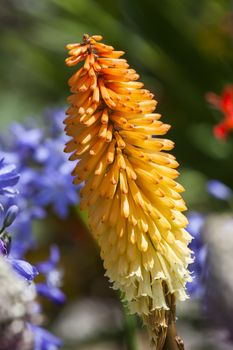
[133, 202]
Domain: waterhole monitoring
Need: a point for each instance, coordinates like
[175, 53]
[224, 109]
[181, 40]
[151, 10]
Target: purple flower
[56, 116]
[54, 183]
[57, 189]
[52, 293]
[3, 248]
[6, 219]
[44, 340]
[26, 139]
[21, 231]
[10, 216]
[49, 265]
[50, 288]
[50, 153]
[196, 223]
[45, 172]
[8, 178]
[219, 190]
[45, 180]
[24, 269]
[10, 155]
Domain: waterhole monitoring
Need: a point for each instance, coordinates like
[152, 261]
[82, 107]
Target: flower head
[133, 201]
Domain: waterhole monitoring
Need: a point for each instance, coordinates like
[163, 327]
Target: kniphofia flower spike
[134, 204]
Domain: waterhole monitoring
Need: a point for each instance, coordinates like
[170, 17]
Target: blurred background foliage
[182, 49]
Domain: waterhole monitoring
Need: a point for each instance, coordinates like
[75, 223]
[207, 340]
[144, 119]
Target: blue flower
[44, 340]
[219, 190]
[21, 229]
[57, 189]
[49, 265]
[39, 160]
[50, 288]
[50, 152]
[6, 219]
[24, 269]
[3, 248]
[23, 239]
[196, 223]
[8, 178]
[50, 292]
[56, 116]
[10, 216]
[26, 139]
[45, 171]
[9, 155]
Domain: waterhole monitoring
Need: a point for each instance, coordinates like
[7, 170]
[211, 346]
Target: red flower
[223, 103]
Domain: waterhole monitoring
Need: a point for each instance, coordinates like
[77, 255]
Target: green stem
[130, 330]
[173, 341]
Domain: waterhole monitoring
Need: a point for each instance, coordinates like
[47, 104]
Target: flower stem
[130, 323]
[162, 327]
[173, 341]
